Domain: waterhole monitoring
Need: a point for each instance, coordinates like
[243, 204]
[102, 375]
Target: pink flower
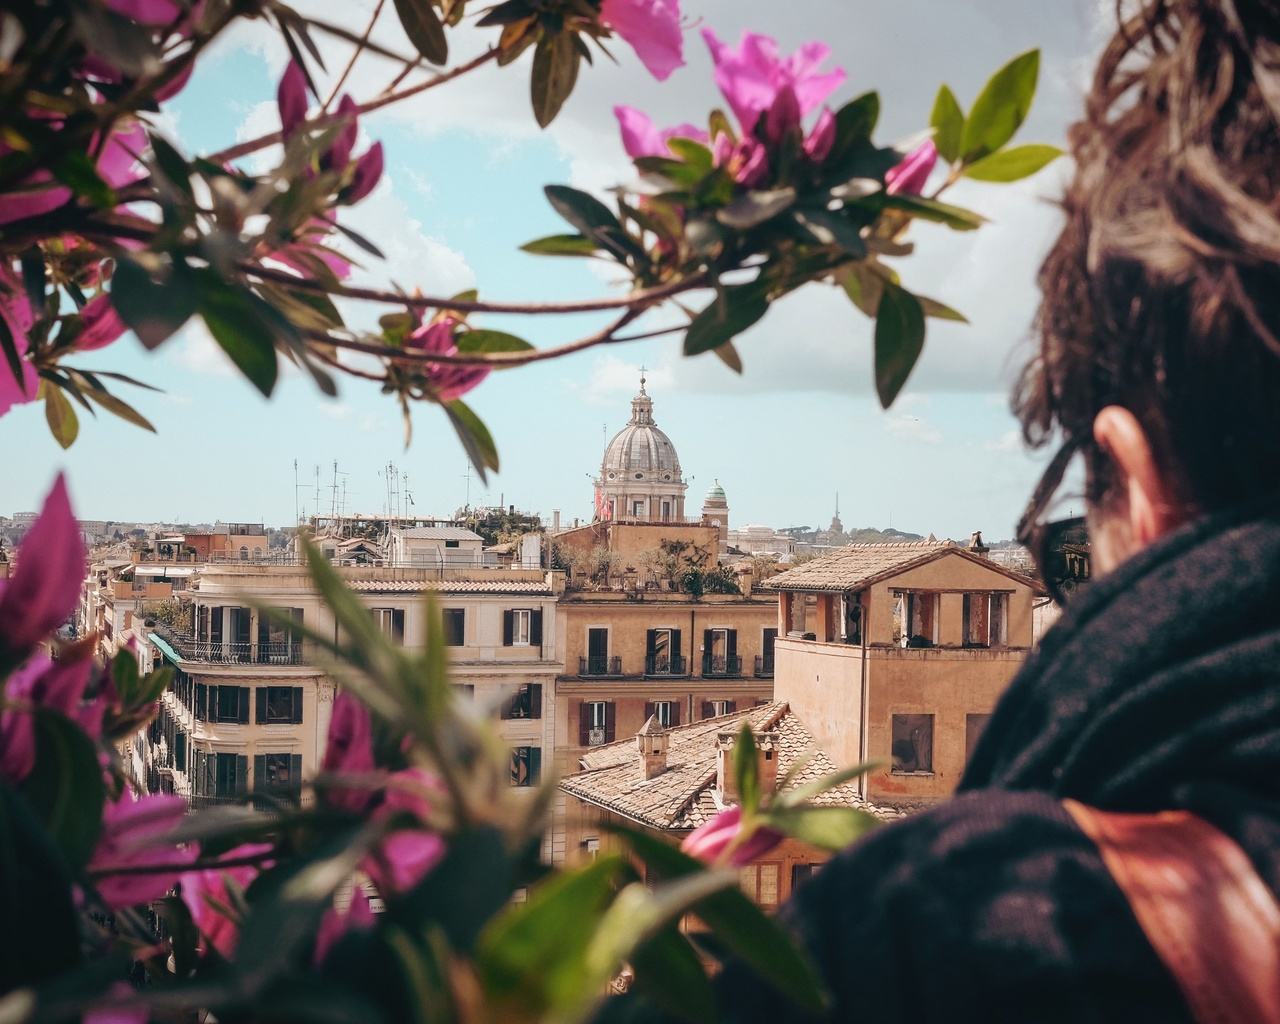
[102, 325]
[407, 855]
[367, 174]
[641, 137]
[710, 841]
[45, 585]
[652, 27]
[450, 380]
[823, 137]
[205, 894]
[15, 308]
[298, 254]
[336, 923]
[146, 12]
[349, 749]
[118, 1010]
[910, 176]
[133, 832]
[752, 76]
[58, 686]
[291, 98]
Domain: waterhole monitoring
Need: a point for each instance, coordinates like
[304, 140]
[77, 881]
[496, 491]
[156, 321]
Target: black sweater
[1160, 688]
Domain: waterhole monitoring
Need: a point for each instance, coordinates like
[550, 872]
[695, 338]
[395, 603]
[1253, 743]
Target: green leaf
[693, 153]
[746, 768]
[593, 219]
[728, 355]
[555, 72]
[65, 788]
[720, 125]
[125, 675]
[490, 341]
[561, 245]
[855, 122]
[75, 170]
[33, 278]
[729, 314]
[1013, 164]
[899, 340]
[153, 310]
[240, 330]
[753, 208]
[59, 414]
[475, 438]
[12, 358]
[1001, 107]
[505, 13]
[947, 122]
[423, 27]
[669, 972]
[796, 797]
[939, 311]
[827, 228]
[120, 408]
[828, 828]
[171, 163]
[955, 217]
[743, 927]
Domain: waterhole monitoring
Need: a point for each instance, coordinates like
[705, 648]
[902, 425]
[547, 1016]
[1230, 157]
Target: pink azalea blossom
[335, 923]
[291, 98]
[752, 76]
[407, 855]
[710, 841]
[45, 585]
[15, 308]
[205, 891]
[40, 682]
[146, 12]
[311, 244]
[118, 1011]
[366, 175]
[910, 177]
[349, 749]
[102, 325]
[641, 137]
[450, 380]
[823, 137]
[652, 28]
[132, 836]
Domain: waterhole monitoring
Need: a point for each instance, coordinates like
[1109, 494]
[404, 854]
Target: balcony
[764, 666]
[721, 666]
[599, 665]
[273, 652]
[665, 665]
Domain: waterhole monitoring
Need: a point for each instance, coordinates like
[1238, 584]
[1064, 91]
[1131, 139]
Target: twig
[355, 55]
[644, 297]
[325, 120]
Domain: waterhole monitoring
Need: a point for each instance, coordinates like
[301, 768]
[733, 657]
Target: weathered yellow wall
[823, 685]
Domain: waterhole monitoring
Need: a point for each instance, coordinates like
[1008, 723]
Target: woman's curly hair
[1162, 293]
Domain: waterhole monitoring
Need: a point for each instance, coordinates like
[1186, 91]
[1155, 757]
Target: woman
[1159, 362]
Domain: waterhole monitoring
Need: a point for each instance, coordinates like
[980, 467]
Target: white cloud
[912, 428]
[1009, 442]
[613, 377]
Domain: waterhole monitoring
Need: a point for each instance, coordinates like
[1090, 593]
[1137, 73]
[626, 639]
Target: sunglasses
[1058, 547]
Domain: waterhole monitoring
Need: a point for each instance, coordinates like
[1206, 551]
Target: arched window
[257, 551]
[244, 553]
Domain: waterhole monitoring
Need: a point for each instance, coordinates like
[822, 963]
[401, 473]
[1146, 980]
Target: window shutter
[508, 627]
[707, 710]
[609, 731]
[213, 703]
[295, 772]
[650, 641]
[535, 627]
[535, 700]
[197, 782]
[708, 642]
[244, 705]
[397, 625]
[648, 710]
[584, 723]
[297, 705]
[242, 774]
[259, 772]
[675, 713]
[264, 631]
[730, 706]
[215, 626]
[202, 699]
[675, 643]
[180, 751]
[535, 765]
[508, 706]
[261, 710]
[731, 643]
[211, 775]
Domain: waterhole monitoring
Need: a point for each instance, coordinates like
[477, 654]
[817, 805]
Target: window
[244, 553]
[524, 703]
[760, 882]
[662, 653]
[716, 708]
[230, 772]
[666, 711]
[720, 653]
[277, 772]
[637, 509]
[974, 726]
[452, 544]
[801, 873]
[526, 766]
[279, 705]
[984, 620]
[391, 622]
[595, 723]
[666, 511]
[239, 629]
[455, 627]
[912, 744]
[597, 663]
[465, 691]
[915, 619]
[279, 644]
[228, 704]
[522, 627]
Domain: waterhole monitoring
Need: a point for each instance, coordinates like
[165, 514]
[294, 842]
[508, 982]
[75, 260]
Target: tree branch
[355, 55]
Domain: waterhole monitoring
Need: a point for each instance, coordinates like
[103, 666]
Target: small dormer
[652, 742]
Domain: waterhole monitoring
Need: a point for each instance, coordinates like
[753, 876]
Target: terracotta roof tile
[450, 586]
[849, 567]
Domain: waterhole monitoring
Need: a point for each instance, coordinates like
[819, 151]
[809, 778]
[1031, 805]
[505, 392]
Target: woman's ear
[1153, 508]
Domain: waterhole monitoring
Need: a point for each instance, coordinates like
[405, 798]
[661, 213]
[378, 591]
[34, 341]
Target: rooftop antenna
[316, 506]
[467, 476]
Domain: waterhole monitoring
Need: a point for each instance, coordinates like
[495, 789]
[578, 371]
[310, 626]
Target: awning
[165, 648]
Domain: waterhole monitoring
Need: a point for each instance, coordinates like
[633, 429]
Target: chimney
[652, 742]
[977, 547]
[555, 520]
[768, 747]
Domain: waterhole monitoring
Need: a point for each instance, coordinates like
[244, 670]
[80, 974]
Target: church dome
[716, 495]
[640, 451]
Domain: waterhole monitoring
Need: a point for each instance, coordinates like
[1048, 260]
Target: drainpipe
[864, 620]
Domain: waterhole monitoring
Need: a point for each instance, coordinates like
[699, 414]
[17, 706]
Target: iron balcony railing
[721, 665]
[665, 665]
[599, 665]
[764, 666]
[269, 652]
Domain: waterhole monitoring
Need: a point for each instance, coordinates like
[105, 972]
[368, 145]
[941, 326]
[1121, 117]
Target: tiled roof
[683, 796]
[450, 586]
[439, 533]
[852, 566]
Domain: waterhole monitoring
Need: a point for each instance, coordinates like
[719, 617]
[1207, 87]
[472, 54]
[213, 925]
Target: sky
[465, 168]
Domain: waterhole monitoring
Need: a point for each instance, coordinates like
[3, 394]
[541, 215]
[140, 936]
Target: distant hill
[870, 535]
